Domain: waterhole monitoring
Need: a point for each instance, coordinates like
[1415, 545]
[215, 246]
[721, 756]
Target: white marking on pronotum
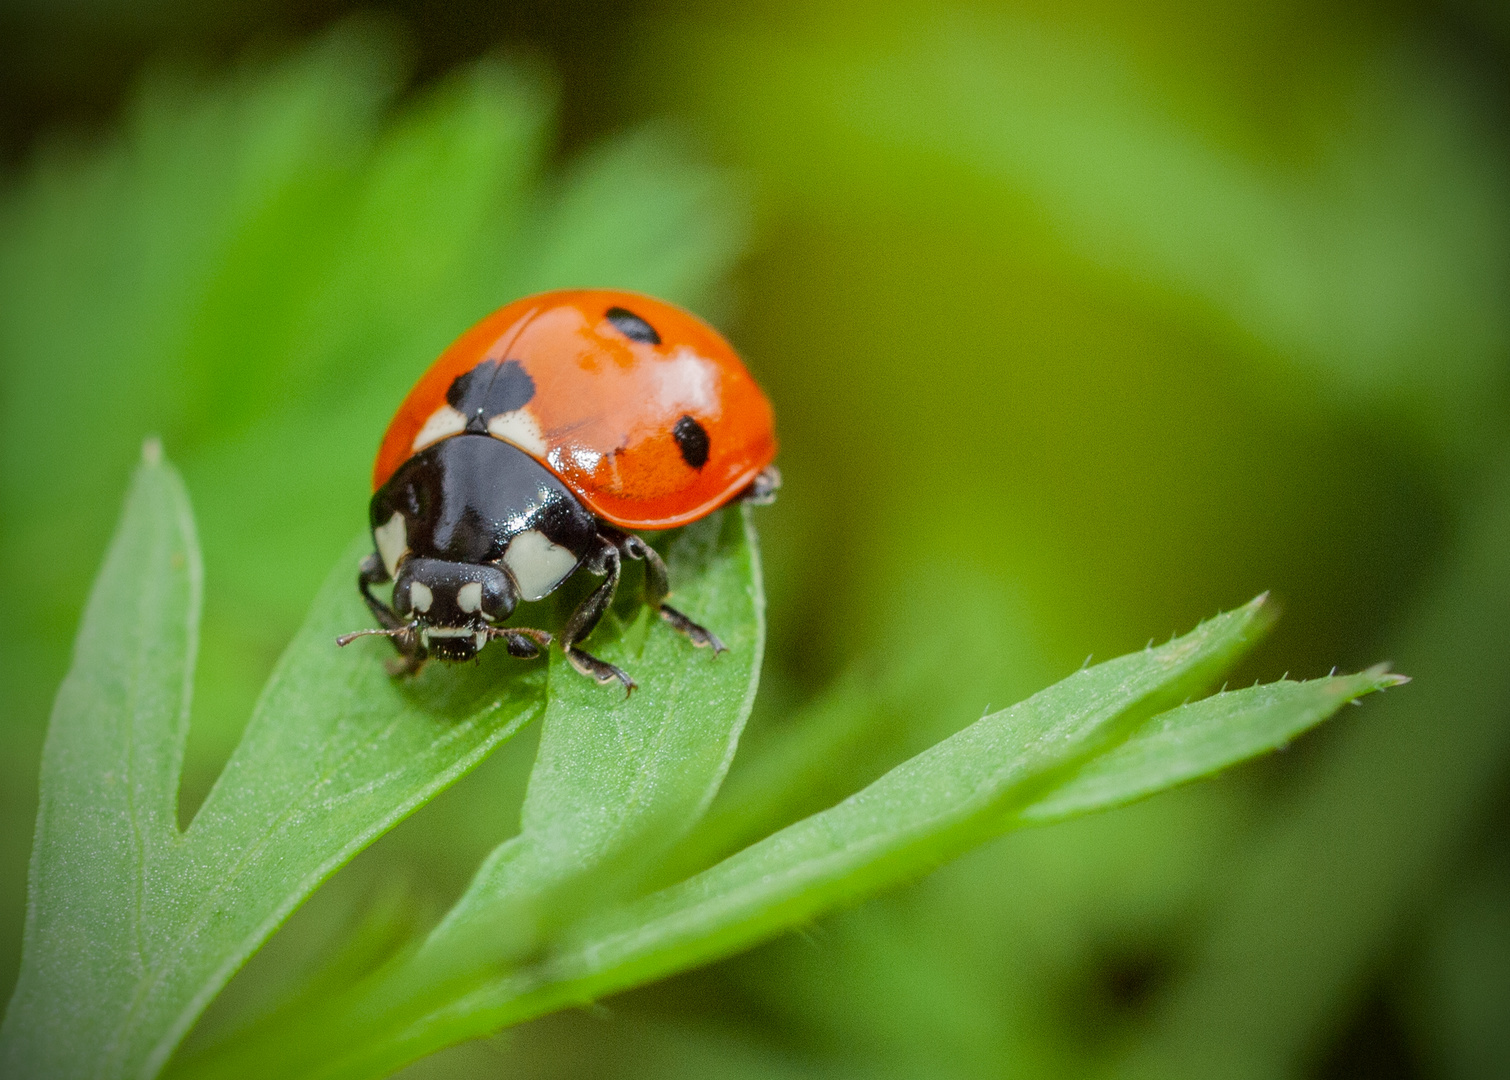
[537, 564]
[392, 541]
[520, 428]
[420, 596]
[469, 596]
[443, 422]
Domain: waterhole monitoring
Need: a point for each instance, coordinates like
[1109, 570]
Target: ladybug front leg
[373, 572]
[658, 586]
[411, 652]
[589, 612]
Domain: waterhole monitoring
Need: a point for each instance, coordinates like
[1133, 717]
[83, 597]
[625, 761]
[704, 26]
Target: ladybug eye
[692, 440]
[633, 327]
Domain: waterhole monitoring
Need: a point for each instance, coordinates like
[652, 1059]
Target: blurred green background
[1082, 322]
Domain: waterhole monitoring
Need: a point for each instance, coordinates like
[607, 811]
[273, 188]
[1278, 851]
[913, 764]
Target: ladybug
[536, 446]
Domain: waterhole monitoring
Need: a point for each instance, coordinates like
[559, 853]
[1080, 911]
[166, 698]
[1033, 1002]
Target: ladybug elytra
[534, 447]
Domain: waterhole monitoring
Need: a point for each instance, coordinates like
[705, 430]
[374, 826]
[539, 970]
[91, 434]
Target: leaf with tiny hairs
[134, 925]
[1102, 737]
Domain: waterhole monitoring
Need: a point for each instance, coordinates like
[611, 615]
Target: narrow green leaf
[1335, 878]
[925, 811]
[1204, 737]
[1172, 748]
[796, 769]
[336, 753]
[616, 780]
[107, 823]
[135, 926]
[330, 247]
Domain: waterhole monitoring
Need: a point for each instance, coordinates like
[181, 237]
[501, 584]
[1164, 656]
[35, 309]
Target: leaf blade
[613, 781]
[951, 788]
[108, 813]
[592, 798]
[828, 858]
[1202, 738]
[336, 753]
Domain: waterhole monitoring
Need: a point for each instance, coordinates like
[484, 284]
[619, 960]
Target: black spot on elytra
[632, 326]
[692, 440]
[488, 389]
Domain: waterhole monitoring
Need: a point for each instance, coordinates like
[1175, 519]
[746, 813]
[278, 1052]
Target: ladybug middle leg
[658, 585]
[604, 561]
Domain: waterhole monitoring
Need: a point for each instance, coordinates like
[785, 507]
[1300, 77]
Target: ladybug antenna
[347, 639]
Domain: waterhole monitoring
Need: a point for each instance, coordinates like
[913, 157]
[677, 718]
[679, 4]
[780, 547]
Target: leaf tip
[152, 451]
[1384, 678]
[1260, 613]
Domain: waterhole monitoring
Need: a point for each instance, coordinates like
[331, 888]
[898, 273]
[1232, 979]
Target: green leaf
[1204, 737]
[929, 809]
[1302, 915]
[616, 781]
[274, 252]
[337, 752]
[133, 926]
[1174, 747]
[107, 823]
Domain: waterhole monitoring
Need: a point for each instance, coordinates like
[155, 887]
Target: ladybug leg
[373, 572]
[762, 490]
[411, 652]
[699, 635]
[522, 642]
[658, 585]
[586, 617]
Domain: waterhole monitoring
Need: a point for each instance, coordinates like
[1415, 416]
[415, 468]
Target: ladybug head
[451, 606]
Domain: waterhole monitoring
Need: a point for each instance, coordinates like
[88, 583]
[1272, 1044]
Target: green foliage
[1317, 888]
[255, 266]
[135, 925]
[1080, 324]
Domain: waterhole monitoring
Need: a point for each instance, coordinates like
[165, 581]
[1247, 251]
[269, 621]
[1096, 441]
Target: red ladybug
[533, 447]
